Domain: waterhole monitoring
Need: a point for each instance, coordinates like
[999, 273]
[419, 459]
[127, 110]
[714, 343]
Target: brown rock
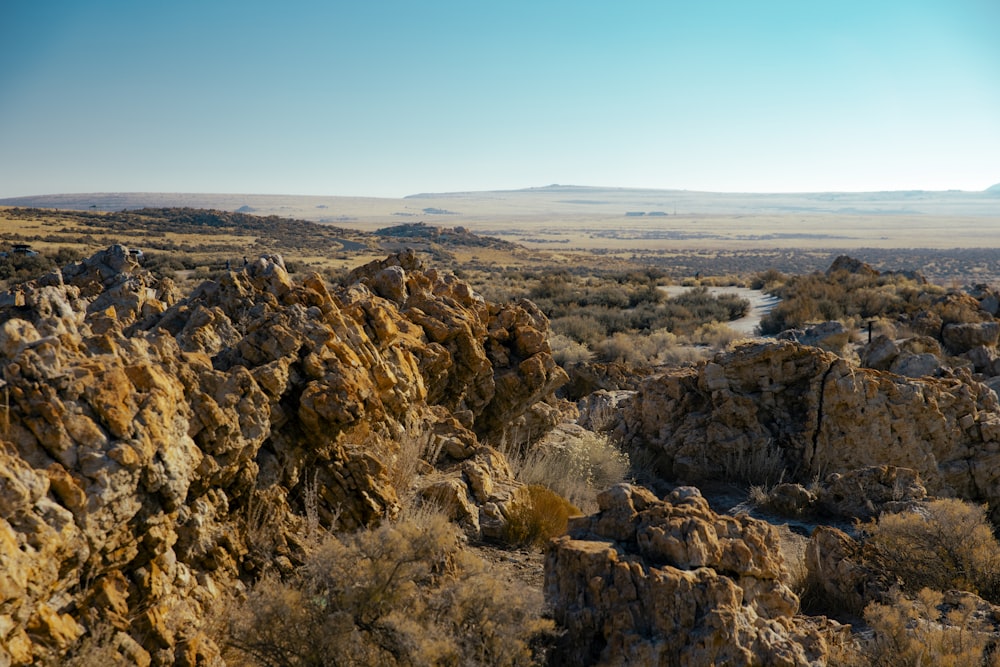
[807, 411]
[834, 567]
[674, 584]
[962, 337]
[157, 448]
[867, 492]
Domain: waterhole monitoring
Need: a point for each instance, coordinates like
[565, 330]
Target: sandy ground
[760, 305]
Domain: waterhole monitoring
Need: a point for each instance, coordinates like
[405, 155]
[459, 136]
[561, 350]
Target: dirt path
[760, 305]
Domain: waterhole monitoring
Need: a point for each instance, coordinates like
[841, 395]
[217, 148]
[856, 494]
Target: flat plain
[954, 234]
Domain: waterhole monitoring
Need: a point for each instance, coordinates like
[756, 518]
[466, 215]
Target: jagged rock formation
[149, 441]
[651, 582]
[782, 405]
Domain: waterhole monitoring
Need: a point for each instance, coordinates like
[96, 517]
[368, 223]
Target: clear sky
[388, 98]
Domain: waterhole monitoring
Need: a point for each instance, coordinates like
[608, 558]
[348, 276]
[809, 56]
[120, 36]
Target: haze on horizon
[396, 98]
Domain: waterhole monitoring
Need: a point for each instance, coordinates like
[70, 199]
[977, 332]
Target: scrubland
[412, 590]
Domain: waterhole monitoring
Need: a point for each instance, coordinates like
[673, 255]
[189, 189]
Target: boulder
[851, 265]
[964, 336]
[771, 405]
[832, 336]
[866, 492]
[651, 582]
[880, 353]
[835, 569]
[916, 365]
[598, 411]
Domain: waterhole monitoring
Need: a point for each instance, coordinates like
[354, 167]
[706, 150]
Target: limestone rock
[650, 582]
[795, 407]
[916, 365]
[831, 336]
[851, 265]
[880, 353]
[598, 411]
[962, 337]
[866, 492]
[159, 448]
[834, 566]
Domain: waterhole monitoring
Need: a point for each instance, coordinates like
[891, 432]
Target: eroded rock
[156, 449]
[651, 582]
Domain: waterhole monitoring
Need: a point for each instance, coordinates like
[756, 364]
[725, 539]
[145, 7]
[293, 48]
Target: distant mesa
[438, 211]
[245, 209]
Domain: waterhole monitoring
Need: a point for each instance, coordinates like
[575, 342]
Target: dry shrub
[625, 348]
[658, 347]
[925, 631]
[577, 468]
[716, 335]
[946, 543]
[416, 453]
[406, 593]
[538, 515]
[568, 352]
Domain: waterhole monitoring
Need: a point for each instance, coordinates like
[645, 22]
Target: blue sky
[385, 98]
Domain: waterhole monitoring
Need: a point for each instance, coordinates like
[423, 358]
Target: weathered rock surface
[813, 414]
[831, 336]
[964, 336]
[651, 582]
[599, 410]
[861, 493]
[146, 440]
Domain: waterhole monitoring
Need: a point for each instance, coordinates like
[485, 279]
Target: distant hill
[490, 212]
[993, 188]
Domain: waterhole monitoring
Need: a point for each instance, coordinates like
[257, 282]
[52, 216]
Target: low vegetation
[622, 316]
[926, 630]
[538, 515]
[946, 543]
[577, 468]
[406, 593]
[855, 297]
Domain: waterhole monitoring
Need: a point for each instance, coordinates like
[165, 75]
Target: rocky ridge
[151, 442]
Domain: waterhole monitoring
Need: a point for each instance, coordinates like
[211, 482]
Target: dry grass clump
[926, 631]
[538, 515]
[715, 334]
[576, 467]
[658, 347]
[406, 593]
[757, 466]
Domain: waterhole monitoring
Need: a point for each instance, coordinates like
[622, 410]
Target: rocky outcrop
[862, 493]
[651, 582]
[156, 449]
[964, 336]
[789, 406]
[845, 263]
[831, 336]
[599, 410]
